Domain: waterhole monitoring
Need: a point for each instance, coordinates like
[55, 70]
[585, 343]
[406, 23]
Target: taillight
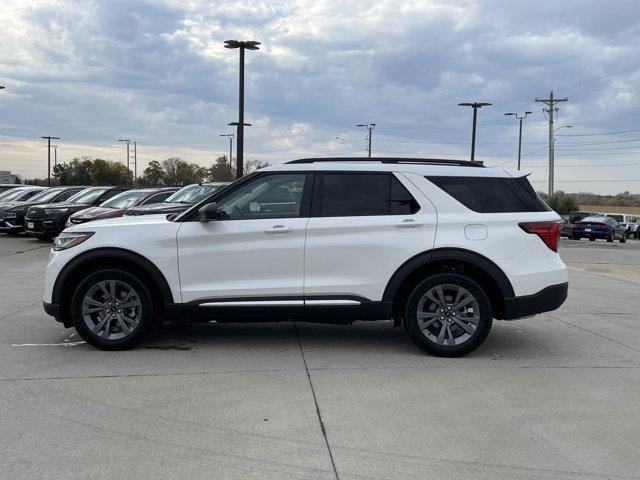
[549, 232]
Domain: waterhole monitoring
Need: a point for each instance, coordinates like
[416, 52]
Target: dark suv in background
[12, 214]
[47, 221]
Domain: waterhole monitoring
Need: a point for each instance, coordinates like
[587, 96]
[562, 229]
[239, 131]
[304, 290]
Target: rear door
[362, 228]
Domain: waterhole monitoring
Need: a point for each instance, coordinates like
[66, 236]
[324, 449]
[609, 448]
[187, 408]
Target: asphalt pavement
[556, 396]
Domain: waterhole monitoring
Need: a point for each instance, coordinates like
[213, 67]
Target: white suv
[442, 246]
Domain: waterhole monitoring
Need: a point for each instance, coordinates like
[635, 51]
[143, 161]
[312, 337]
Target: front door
[254, 254]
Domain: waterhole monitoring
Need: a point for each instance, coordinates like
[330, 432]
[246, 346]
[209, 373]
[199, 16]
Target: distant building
[6, 177]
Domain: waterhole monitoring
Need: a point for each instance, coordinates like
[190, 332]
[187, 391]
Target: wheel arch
[114, 258]
[491, 277]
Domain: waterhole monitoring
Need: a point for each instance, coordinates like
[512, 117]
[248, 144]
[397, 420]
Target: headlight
[49, 211]
[70, 239]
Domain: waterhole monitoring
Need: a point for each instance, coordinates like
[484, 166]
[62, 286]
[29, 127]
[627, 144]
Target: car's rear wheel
[592, 239]
[623, 239]
[448, 315]
[112, 309]
[610, 237]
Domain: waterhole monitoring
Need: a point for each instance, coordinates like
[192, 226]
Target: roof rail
[426, 161]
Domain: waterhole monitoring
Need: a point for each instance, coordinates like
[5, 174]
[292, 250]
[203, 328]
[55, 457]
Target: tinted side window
[492, 194]
[268, 196]
[364, 194]
[66, 195]
[401, 202]
[354, 194]
[158, 198]
[107, 195]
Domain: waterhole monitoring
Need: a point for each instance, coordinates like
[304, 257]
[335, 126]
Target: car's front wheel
[112, 309]
[448, 315]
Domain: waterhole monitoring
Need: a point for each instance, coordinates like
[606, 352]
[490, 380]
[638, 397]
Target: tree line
[172, 171]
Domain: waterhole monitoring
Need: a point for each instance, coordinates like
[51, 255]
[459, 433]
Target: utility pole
[551, 103]
[49, 138]
[242, 45]
[369, 127]
[127, 141]
[135, 160]
[475, 106]
[526, 114]
[230, 137]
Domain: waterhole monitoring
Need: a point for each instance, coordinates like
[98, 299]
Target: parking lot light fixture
[475, 106]
[520, 118]
[242, 46]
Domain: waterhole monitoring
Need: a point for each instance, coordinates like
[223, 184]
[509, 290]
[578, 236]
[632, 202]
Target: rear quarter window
[492, 194]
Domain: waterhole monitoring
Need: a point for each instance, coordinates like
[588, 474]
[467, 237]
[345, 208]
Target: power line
[624, 70]
[596, 134]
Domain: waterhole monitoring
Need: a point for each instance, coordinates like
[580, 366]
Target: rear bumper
[545, 300]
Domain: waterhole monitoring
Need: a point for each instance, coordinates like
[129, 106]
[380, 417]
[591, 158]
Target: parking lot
[550, 397]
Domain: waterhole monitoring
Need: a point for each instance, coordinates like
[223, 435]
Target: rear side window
[492, 194]
[357, 194]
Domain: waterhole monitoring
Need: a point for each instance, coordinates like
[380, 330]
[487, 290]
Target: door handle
[409, 223]
[278, 229]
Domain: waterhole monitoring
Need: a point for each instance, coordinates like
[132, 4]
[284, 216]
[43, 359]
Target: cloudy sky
[93, 71]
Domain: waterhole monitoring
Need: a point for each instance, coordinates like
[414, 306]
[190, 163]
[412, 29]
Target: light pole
[55, 155]
[369, 127]
[552, 158]
[475, 106]
[242, 45]
[127, 141]
[49, 138]
[526, 114]
[230, 137]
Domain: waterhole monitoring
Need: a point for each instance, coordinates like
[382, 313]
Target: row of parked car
[609, 226]
[44, 212]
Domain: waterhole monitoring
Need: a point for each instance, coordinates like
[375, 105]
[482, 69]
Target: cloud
[93, 71]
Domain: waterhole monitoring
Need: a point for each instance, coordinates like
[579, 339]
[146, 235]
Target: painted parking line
[63, 344]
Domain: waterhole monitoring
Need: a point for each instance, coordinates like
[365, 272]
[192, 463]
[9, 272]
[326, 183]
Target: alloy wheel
[448, 315]
[111, 309]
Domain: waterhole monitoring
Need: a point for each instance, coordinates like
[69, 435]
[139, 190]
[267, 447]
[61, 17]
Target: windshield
[46, 195]
[14, 194]
[125, 199]
[593, 220]
[88, 195]
[192, 194]
[617, 218]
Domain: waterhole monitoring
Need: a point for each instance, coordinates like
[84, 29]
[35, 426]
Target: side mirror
[208, 212]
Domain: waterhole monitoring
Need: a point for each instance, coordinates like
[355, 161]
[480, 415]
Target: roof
[433, 167]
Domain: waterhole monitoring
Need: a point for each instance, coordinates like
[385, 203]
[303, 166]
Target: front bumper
[44, 226]
[55, 311]
[11, 225]
[545, 300]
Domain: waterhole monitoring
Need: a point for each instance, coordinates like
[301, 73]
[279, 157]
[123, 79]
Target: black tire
[623, 239]
[421, 339]
[12, 233]
[44, 238]
[575, 237]
[122, 279]
[592, 239]
[610, 238]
